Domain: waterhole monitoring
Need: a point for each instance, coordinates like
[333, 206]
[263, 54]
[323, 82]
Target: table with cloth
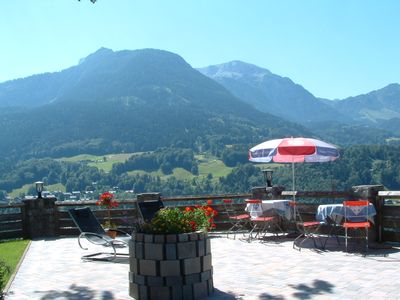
[337, 211]
[279, 207]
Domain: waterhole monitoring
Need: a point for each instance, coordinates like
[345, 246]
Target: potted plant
[107, 200]
[171, 257]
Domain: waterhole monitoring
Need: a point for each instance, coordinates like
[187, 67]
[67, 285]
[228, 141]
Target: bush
[4, 271]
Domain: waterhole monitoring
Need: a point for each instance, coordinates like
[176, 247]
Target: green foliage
[177, 220]
[4, 272]
[10, 255]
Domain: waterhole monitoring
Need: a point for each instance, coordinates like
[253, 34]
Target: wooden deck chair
[238, 220]
[92, 231]
[356, 218]
[261, 224]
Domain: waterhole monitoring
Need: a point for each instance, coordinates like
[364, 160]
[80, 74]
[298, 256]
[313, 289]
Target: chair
[93, 232]
[238, 220]
[307, 229]
[356, 217]
[148, 208]
[261, 223]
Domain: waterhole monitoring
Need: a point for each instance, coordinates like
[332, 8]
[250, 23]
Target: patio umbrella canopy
[293, 150]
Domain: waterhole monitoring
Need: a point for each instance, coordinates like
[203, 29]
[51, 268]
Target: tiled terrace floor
[272, 269]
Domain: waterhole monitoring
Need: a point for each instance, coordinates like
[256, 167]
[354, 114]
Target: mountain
[375, 108]
[127, 101]
[271, 93]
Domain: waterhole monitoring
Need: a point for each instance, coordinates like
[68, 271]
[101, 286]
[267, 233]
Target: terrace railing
[49, 217]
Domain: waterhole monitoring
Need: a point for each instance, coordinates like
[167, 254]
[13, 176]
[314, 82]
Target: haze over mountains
[281, 96]
[144, 99]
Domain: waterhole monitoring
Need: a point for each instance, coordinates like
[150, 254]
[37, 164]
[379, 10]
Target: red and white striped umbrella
[293, 150]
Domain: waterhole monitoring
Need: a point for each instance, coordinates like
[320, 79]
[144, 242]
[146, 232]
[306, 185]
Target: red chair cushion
[240, 217]
[356, 224]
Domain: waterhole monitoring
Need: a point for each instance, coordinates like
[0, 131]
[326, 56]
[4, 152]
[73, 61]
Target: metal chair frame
[307, 229]
[261, 224]
[92, 231]
[238, 220]
[356, 225]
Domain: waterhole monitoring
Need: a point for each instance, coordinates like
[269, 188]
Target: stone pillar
[370, 193]
[40, 218]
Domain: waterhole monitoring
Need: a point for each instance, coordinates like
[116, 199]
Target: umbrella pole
[294, 195]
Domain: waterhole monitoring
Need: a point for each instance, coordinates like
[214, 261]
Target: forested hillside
[154, 104]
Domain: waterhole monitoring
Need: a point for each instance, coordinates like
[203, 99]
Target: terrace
[268, 268]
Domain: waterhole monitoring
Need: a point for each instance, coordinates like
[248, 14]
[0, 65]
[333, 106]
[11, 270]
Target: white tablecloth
[336, 213]
[270, 207]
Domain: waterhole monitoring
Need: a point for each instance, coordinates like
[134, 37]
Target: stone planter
[170, 266]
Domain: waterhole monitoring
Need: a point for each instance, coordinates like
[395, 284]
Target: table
[336, 213]
[270, 207]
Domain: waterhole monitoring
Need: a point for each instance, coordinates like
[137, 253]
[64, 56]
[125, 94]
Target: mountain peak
[234, 69]
[101, 53]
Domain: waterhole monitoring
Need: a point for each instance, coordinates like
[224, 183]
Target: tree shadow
[76, 292]
[318, 287]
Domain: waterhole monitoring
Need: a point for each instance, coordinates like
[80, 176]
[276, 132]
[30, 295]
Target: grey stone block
[134, 290]
[186, 250]
[139, 237]
[153, 251]
[154, 281]
[206, 263]
[170, 268]
[171, 238]
[139, 250]
[147, 267]
[201, 235]
[201, 247]
[176, 293]
[170, 251]
[132, 252]
[191, 279]
[159, 293]
[200, 290]
[191, 265]
[204, 276]
[193, 236]
[208, 246]
[159, 238]
[148, 238]
[143, 292]
[139, 279]
[187, 292]
[173, 280]
[133, 265]
[210, 286]
[183, 237]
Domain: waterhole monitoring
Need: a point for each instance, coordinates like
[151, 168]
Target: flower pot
[111, 233]
[170, 266]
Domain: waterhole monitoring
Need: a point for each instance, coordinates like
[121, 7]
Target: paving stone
[265, 269]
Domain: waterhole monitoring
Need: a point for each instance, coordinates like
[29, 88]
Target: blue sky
[334, 49]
